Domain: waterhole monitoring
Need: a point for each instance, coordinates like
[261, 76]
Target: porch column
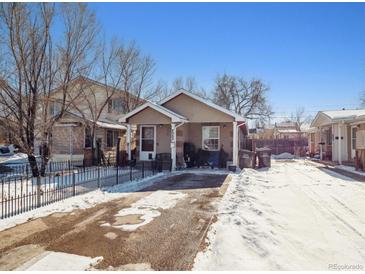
[173, 147]
[320, 146]
[129, 141]
[235, 144]
[339, 144]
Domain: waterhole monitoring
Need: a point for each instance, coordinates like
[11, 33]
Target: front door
[148, 143]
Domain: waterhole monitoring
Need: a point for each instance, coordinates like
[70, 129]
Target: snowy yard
[294, 216]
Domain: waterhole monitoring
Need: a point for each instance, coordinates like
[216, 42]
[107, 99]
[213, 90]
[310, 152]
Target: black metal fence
[24, 169]
[25, 193]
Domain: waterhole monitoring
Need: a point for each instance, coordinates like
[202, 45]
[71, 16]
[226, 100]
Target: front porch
[186, 144]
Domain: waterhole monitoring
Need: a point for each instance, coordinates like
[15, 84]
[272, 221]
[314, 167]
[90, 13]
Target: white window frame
[143, 155]
[219, 137]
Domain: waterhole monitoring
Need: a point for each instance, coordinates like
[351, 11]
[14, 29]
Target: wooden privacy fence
[297, 147]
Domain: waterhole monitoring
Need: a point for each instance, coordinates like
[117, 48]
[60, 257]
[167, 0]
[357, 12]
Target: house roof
[286, 124]
[332, 116]
[101, 122]
[175, 117]
[204, 101]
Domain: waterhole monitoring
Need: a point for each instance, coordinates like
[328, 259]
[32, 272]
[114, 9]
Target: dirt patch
[10, 236]
[19, 256]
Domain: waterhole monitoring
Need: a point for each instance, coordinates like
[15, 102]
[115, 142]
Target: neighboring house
[334, 134]
[70, 137]
[282, 137]
[287, 130]
[185, 120]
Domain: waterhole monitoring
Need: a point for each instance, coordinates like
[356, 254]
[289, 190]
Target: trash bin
[264, 157]
[247, 159]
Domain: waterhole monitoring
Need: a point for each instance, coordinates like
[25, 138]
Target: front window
[210, 136]
[353, 137]
[54, 108]
[112, 137]
[116, 105]
[88, 139]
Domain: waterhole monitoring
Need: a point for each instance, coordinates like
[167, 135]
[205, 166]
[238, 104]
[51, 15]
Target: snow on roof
[101, 123]
[331, 116]
[111, 126]
[288, 131]
[344, 114]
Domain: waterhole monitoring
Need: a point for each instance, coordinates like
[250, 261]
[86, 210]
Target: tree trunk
[44, 158]
[33, 165]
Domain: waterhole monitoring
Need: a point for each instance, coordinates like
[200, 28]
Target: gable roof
[175, 117]
[89, 81]
[103, 123]
[204, 101]
[338, 115]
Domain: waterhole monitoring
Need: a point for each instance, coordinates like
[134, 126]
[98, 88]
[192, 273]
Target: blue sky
[310, 54]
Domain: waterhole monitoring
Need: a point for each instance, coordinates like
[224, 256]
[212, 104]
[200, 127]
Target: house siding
[196, 111]
[149, 116]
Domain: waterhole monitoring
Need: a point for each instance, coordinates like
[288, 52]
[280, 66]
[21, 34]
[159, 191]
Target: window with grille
[112, 138]
[210, 136]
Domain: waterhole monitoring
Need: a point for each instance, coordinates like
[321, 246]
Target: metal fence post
[38, 191]
[117, 180]
[130, 172]
[73, 184]
[142, 169]
[99, 184]
[69, 166]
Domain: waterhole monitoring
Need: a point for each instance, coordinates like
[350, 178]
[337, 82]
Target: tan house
[180, 119]
[70, 137]
[337, 135]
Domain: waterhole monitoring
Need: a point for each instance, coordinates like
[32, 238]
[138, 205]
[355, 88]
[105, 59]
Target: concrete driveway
[159, 228]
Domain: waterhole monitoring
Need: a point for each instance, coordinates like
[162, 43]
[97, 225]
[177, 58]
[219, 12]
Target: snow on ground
[147, 208]
[53, 261]
[83, 201]
[350, 169]
[293, 216]
[283, 156]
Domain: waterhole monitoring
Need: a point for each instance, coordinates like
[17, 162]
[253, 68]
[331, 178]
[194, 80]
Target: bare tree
[300, 117]
[91, 98]
[189, 84]
[136, 75]
[35, 63]
[247, 98]
[163, 89]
